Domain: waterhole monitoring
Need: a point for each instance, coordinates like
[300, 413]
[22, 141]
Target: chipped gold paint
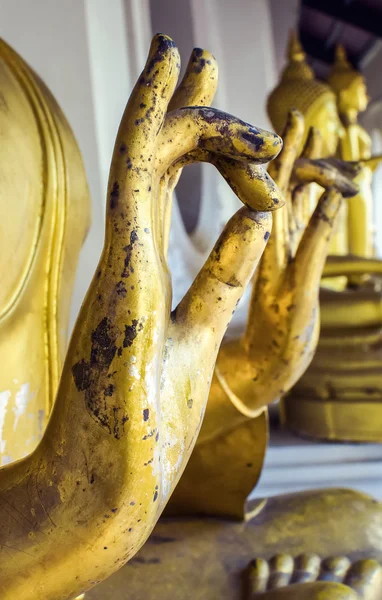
[220, 474]
[136, 378]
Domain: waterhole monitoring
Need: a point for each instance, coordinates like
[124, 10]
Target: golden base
[208, 558]
[339, 397]
[339, 420]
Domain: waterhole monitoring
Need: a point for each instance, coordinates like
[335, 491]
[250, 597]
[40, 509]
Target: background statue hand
[283, 322]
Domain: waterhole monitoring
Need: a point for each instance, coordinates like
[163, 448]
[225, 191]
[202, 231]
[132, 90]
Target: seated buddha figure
[339, 395]
[299, 89]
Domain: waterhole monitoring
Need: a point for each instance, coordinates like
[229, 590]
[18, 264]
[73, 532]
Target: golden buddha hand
[279, 340]
[136, 378]
[283, 321]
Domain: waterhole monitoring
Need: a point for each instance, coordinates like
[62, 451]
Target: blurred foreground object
[45, 214]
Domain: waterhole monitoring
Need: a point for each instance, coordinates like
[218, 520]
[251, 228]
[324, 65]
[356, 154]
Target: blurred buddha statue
[299, 89]
[315, 100]
[339, 395]
[352, 99]
[355, 145]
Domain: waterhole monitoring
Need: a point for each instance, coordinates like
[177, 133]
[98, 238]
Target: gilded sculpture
[283, 572]
[339, 395]
[300, 89]
[354, 145]
[210, 558]
[135, 380]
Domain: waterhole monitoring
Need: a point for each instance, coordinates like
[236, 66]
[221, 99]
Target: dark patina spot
[109, 390]
[128, 268]
[253, 138]
[131, 332]
[82, 375]
[92, 377]
[164, 44]
[114, 195]
[233, 282]
[121, 290]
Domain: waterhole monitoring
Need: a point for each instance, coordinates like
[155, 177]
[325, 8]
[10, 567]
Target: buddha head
[349, 86]
[300, 89]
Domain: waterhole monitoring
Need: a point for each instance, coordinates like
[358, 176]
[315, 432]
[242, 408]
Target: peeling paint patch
[131, 332]
[128, 267]
[21, 402]
[4, 399]
[133, 370]
[91, 376]
[41, 419]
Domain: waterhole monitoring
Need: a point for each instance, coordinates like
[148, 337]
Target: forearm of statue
[136, 377]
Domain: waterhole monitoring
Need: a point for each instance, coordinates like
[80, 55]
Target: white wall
[284, 15]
